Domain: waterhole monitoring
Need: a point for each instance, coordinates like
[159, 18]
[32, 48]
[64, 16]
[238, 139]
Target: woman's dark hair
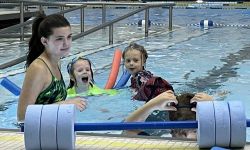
[43, 27]
[134, 46]
[70, 69]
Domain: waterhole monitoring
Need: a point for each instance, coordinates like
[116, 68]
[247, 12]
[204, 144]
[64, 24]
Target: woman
[43, 84]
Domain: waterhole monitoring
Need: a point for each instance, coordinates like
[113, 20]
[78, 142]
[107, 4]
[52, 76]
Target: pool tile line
[15, 141]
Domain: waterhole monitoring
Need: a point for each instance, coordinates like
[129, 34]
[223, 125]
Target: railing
[141, 7]
[23, 6]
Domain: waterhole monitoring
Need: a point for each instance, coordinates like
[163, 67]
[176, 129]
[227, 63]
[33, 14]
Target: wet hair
[134, 46]
[183, 113]
[70, 69]
[183, 108]
[43, 27]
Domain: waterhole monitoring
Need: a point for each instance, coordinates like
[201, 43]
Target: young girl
[51, 39]
[82, 80]
[145, 85]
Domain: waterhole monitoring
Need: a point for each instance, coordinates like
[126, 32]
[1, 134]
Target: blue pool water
[192, 59]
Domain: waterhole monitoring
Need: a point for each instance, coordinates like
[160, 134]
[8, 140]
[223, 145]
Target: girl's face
[59, 43]
[82, 72]
[133, 61]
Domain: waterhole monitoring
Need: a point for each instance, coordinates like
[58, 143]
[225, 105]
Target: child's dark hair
[43, 27]
[134, 46]
[183, 112]
[70, 69]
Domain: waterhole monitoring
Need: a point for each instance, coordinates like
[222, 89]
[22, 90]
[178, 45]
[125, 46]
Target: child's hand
[79, 102]
[199, 97]
[164, 100]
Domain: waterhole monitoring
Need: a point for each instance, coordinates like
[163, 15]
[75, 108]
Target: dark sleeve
[152, 88]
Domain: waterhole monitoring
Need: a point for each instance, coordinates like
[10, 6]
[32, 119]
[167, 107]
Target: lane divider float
[141, 23]
[210, 23]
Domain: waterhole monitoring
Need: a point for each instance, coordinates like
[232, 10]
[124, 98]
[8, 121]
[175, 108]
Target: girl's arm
[158, 103]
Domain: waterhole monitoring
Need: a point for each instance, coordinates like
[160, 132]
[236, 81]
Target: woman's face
[82, 72]
[59, 43]
[133, 61]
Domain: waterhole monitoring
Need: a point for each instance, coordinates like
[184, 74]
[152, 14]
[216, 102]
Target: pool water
[214, 60]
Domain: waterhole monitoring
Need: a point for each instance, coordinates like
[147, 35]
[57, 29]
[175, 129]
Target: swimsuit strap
[46, 65]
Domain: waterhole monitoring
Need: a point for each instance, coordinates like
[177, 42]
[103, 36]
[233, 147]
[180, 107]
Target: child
[145, 85]
[180, 108]
[82, 80]
[186, 109]
[51, 39]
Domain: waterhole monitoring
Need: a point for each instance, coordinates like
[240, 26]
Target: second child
[82, 79]
[145, 85]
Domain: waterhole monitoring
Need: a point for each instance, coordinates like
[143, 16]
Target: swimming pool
[192, 59]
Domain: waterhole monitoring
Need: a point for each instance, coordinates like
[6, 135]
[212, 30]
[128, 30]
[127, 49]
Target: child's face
[82, 72]
[133, 61]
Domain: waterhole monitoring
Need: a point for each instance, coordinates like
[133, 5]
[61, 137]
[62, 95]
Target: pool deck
[15, 140]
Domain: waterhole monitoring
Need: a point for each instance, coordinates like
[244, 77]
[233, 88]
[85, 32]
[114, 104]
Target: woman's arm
[36, 78]
[79, 102]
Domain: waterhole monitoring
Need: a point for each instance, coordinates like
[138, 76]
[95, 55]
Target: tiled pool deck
[15, 141]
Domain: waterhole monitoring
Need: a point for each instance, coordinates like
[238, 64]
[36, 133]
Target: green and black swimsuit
[55, 92]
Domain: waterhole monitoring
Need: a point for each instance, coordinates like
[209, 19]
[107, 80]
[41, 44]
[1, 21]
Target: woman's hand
[80, 103]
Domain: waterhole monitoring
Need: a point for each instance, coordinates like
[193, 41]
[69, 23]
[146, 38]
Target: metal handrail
[109, 23]
[170, 5]
[35, 3]
[22, 24]
[145, 6]
[5, 30]
[26, 2]
[157, 4]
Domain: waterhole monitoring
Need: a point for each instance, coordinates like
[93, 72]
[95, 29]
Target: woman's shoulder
[36, 76]
[37, 71]
[37, 66]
